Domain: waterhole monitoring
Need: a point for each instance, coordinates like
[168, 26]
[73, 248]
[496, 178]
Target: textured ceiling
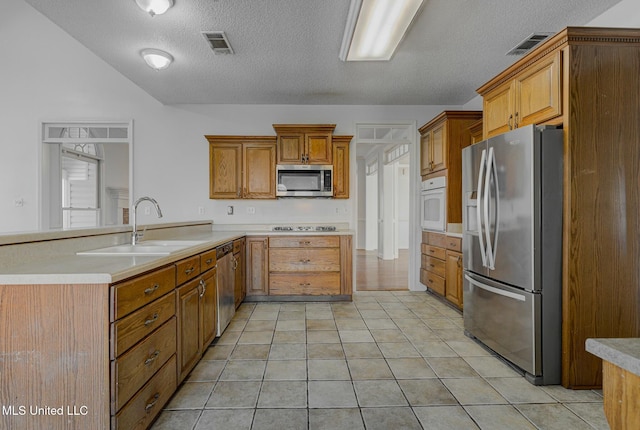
[286, 51]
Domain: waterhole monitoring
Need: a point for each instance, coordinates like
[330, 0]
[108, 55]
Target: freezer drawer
[505, 319]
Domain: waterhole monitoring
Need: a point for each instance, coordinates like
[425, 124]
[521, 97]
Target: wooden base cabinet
[599, 88]
[441, 265]
[196, 311]
[240, 290]
[257, 266]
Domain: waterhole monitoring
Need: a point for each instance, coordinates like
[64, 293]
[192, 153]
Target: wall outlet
[229, 210]
[200, 210]
[251, 210]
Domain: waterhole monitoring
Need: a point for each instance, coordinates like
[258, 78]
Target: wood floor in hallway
[376, 274]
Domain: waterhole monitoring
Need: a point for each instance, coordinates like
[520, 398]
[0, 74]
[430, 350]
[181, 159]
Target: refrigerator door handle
[481, 175]
[486, 197]
[494, 290]
[493, 245]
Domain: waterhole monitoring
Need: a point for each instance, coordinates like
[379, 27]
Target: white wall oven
[433, 204]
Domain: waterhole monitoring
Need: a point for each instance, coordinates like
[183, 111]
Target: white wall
[624, 14]
[403, 196]
[47, 75]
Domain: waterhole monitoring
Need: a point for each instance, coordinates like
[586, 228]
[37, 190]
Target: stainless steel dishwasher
[226, 308]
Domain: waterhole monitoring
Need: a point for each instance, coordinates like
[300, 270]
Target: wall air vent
[218, 42]
[529, 43]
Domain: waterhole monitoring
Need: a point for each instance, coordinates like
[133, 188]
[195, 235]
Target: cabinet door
[425, 153]
[538, 92]
[439, 147]
[237, 271]
[499, 110]
[208, 308]
[318, 148]
[189, 335]
[453, 278]
[225, 170]
[290, 148]
[257, 264]
[259, 160]
[341, 169]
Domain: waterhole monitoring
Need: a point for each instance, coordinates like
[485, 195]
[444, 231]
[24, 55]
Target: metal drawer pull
[153, 403]
[153, 357]
[305, 284]
[204, 287]
[151, 320]
[209, 261]
[305, 261]
[305, 242]
[189, 271]
[151, 290]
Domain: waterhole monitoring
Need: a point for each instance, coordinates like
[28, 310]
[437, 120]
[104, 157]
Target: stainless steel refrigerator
[512, 248]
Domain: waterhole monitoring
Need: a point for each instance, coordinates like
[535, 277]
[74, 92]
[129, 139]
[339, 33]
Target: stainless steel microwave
[304, 180]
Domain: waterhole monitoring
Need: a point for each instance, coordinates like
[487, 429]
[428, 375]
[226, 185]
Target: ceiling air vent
[218, 42]
[527, 44]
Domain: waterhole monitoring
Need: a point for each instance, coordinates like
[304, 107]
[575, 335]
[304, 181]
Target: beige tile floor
[387, 360]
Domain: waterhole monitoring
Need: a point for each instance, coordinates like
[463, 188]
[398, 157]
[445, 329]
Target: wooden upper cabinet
[290, 148]
[304, 143]
[242, 167]
[476, 131]
[442, 139]
[341, 166]
[259, 160]
[225, 170]
[532, 96]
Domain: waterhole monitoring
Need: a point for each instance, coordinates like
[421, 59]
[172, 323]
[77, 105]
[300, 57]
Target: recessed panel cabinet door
[538, 91]
[439, 148]
[291, 148]
[319, 149]
[259, 170]
[225, 161]
[498, 110]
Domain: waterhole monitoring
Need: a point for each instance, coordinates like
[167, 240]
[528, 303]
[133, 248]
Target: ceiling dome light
[156, 59]
[155, 7]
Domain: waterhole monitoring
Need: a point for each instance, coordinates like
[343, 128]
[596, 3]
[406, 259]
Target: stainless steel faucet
[135, 235]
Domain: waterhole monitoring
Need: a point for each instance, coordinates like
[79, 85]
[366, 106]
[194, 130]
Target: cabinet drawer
[433, 281]
[187, 269]
[148, 403]
[237, 245]
[434, 251]
[138, 365]
[454, 243]
[314, 284]
[434, 265]
[130, 330]
[437, 239]
[208, 260]
[304, 260]
[304, 242]
[131, 295]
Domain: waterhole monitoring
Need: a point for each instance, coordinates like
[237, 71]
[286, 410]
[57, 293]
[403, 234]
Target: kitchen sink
[148, 247]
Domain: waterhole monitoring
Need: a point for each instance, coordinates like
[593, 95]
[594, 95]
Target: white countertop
[100, 269]
[623, 352]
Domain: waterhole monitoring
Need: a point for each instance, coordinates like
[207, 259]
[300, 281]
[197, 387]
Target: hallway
[375, 274]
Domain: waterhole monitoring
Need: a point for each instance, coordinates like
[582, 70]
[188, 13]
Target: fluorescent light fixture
[156, 59]
[376, 27]
[154, 7]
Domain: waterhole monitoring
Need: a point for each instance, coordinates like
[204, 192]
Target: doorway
[385, 207]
